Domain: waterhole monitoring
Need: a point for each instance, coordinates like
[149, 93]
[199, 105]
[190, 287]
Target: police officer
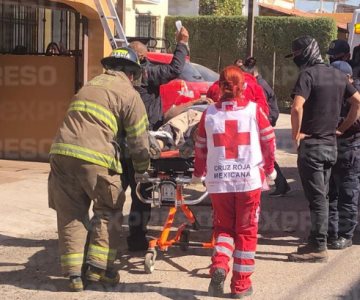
[339, 50]
[85, 168]
[149, 89]
[344, 193]
[318, 95]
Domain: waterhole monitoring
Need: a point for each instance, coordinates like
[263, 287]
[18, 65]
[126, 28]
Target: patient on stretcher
[177, 134]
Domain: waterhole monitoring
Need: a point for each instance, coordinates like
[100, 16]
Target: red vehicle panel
[193, 82]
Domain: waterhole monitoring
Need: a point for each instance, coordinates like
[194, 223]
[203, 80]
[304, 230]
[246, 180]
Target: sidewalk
[29, 267]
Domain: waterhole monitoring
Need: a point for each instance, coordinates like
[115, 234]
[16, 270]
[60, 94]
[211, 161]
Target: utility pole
[250, 29]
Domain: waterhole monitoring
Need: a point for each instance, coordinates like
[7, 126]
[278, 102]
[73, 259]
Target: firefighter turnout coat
[85, 168]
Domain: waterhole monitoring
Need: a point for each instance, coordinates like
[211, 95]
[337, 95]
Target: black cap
[338, 46]
[299, 43]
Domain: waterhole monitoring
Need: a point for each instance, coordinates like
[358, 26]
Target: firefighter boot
[76, 284]
[96, 275]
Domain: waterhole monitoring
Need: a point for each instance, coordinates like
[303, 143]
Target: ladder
[116, 40]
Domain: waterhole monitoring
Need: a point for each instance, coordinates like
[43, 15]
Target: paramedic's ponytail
[231, 83]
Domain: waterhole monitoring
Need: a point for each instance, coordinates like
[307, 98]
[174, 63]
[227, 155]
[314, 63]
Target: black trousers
[314, 164]
[345, 188]
[139, 212]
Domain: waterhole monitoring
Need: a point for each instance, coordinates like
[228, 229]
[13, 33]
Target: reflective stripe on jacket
[105, 108]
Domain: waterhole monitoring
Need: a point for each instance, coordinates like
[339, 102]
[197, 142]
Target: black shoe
[331, 240]
[216, 286]
[137, 243]
[243, 294]
[280, 192]
[309, 253]
[309, 247]
[341, 243]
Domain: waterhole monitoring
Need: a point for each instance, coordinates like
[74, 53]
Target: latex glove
[141, 177]
[197, 180]
[272, 176]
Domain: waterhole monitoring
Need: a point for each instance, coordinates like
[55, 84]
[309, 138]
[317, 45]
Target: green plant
[207, 7]
[229, 8]
[217, 41]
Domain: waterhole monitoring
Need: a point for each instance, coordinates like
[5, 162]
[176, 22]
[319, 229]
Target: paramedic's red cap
[338, 46]
[299, 43]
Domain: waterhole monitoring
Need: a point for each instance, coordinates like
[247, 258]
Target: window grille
[29, 29]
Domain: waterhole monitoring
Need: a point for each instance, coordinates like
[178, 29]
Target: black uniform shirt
[324, 89]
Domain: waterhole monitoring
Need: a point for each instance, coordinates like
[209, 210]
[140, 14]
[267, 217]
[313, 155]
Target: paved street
[29, 267]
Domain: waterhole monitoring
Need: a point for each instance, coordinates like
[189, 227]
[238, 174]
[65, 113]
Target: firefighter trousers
[235, 221]
[73, 184]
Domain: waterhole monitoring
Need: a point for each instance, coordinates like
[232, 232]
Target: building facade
[48, 50]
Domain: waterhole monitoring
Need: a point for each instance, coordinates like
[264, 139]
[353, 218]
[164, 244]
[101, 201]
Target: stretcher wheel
[149, 263]
[184, 240]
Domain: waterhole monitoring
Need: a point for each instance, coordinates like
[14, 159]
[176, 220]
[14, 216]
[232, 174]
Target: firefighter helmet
[125, 57]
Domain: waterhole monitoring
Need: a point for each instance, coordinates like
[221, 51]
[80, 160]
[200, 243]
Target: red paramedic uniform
[235, 149]
[253, 91]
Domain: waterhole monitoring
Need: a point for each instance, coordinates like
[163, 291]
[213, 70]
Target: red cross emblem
[231, 139]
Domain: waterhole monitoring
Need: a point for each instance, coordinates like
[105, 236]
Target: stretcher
[165, 187]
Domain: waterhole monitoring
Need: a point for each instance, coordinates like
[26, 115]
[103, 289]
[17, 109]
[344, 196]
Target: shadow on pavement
[353, 293]
[40, 272]
[148, 287]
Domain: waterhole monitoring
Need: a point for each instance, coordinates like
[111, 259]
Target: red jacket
[267, 143]
[253, 92]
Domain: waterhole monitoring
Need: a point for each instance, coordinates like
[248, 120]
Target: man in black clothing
[318, 95]
[149, 89]
[339, 50]
[345, 188]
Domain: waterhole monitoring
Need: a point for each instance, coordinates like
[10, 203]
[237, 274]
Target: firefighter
[85, 168]
[234, 138]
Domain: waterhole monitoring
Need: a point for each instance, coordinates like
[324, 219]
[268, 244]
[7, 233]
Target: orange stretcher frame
[163, 242]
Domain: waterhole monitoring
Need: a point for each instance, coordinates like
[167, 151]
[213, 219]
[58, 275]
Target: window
[147, 25]
[30, 29]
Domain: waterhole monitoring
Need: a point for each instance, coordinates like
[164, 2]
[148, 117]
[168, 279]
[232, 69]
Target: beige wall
[35, 94]
[184, 8]
[156, 9]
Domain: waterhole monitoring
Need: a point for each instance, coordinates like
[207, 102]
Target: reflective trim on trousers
[269, 128]
[268, 137]
[244, 254]
[225, 239]
[243, 268]
[102, 253]
[71, 259]
[224, 250]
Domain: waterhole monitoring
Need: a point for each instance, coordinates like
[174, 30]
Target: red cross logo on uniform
[231, 139]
